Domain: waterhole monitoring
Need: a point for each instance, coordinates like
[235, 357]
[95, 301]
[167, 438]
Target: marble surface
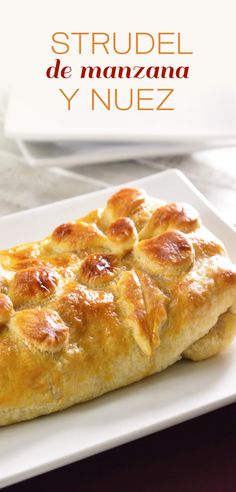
[21, 187]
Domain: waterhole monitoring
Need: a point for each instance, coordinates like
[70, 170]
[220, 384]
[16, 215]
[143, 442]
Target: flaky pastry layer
[108, 300]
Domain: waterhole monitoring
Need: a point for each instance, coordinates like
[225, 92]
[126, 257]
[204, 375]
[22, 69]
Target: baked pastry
[108, 300]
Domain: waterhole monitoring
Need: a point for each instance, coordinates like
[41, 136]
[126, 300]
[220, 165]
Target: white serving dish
[75, 153]
[183, 391]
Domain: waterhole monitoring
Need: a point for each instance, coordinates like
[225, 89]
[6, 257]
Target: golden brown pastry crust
[107, 300]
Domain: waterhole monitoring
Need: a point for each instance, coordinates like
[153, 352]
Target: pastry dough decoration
[171, 216]
[129, 202]
[76, 236]
[142, 306]
[33, 285]
[168, 255]
[97, 270]
[42, 329]
[107, 300]
[79, 306]
[6, 309]
[133, 310]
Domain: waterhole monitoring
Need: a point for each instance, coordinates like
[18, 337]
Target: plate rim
[110, 189]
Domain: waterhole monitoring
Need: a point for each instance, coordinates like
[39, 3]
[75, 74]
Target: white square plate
[181, 392]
